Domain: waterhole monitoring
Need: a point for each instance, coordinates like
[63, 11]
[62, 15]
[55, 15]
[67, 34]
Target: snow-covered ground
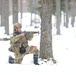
[64, 51]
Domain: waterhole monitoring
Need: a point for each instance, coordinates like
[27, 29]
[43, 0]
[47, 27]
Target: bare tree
[46, 30]
[10, 7]
[5, 15]
[15, 10]
[20, 6]
[0, 10]
[73, 12]
[0, 6]
[66, 10]
[58, 16]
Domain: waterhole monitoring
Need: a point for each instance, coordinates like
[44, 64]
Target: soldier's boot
[35, 57]
[11, 60]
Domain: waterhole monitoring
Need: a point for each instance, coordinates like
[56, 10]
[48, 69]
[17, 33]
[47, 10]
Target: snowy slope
[64, 51]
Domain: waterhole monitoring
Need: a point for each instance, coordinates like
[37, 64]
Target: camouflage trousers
[19, 57]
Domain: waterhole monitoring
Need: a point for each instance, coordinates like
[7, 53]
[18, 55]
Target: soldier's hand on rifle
[22, 34]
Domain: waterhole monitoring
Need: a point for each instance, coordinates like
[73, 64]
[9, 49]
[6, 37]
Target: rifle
[4, 39]
[35, 32]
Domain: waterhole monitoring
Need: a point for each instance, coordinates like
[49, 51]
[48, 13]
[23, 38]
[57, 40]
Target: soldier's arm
[14, 39]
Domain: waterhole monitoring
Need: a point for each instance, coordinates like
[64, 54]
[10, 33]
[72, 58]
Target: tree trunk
[5, 15]
[64, 19]
[58, 16]
[66, 10]
[73, 12]
[46, 30]
[10, 7]
[15, 11]
[31, 10]
[0, 10]
[0, 6]
[20, 5]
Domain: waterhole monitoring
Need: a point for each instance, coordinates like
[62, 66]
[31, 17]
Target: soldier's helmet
[16, 26]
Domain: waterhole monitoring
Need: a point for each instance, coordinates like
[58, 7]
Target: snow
[64, 51]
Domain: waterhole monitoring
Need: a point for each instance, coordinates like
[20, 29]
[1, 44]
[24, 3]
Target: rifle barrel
[36, 32]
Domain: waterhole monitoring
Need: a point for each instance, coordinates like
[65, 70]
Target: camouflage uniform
[18, 42]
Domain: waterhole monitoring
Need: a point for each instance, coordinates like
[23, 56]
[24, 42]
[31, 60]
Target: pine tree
[46, 30]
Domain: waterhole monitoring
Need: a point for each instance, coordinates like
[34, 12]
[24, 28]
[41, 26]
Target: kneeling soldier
[20, 47]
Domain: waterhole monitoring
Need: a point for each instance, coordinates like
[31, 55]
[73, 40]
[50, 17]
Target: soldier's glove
[22, 49]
